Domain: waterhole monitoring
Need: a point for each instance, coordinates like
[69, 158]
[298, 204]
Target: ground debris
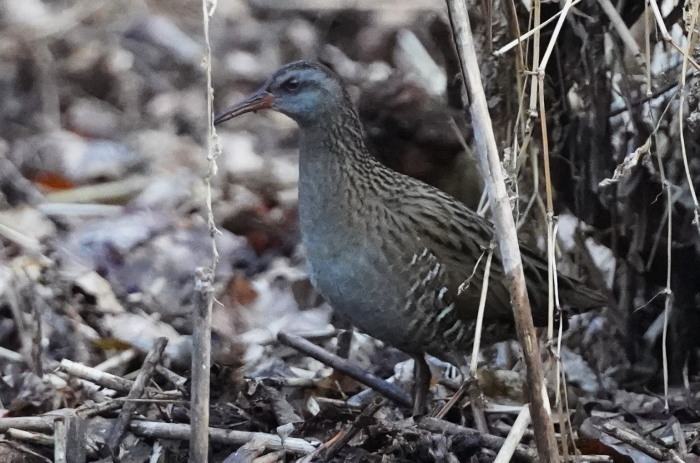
[103, 227]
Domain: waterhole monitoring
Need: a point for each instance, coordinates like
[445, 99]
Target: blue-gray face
[306, 95]
[303, 90]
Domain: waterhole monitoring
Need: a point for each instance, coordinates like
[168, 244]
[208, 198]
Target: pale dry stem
[480, 313]
[204, 295]
[684, 154]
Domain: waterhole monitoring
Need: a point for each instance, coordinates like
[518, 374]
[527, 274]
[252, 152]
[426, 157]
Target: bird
[397, 258]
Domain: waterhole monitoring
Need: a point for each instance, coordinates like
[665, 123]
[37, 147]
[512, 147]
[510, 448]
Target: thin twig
[668, 303]
[351, 430]
[17, 298]
[537, 19]
[35, 438]
[454, 399]
[385, 388]
[109, 380]
[681, 116]
[623, 31]
[647, 46]
[333, 5]
[521, 453]
[667, 37]
[137, 390]
[476, 400]
[615, 111]
[551, 263]
[636, 441]
[223, 436]
[204, 297]
[529, 33]
[119, 360]
[36, 322]
[480, 313]
[22, 449]
[505, 454]
[566, 414]
[667, 290]
[101, 378]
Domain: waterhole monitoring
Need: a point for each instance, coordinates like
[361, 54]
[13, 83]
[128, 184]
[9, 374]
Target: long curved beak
[258, 100]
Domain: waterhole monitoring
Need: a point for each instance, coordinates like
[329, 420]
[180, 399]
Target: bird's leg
[344, 341]
[421, 384]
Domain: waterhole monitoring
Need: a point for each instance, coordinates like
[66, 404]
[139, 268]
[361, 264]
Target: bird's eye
[291, 84]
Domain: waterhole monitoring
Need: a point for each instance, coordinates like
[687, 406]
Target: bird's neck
[334, 168]
[333, 153]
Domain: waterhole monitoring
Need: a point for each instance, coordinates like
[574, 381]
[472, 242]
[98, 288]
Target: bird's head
[303, 90]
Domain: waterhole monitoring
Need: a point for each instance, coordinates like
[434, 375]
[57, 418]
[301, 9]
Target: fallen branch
[385, 388]
[108, 380]
[351, 430]
[521, 453]
[221, 436]
[635, 440]
[137, 390]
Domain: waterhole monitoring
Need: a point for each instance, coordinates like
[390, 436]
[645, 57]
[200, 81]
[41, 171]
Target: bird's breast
[346, 261]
